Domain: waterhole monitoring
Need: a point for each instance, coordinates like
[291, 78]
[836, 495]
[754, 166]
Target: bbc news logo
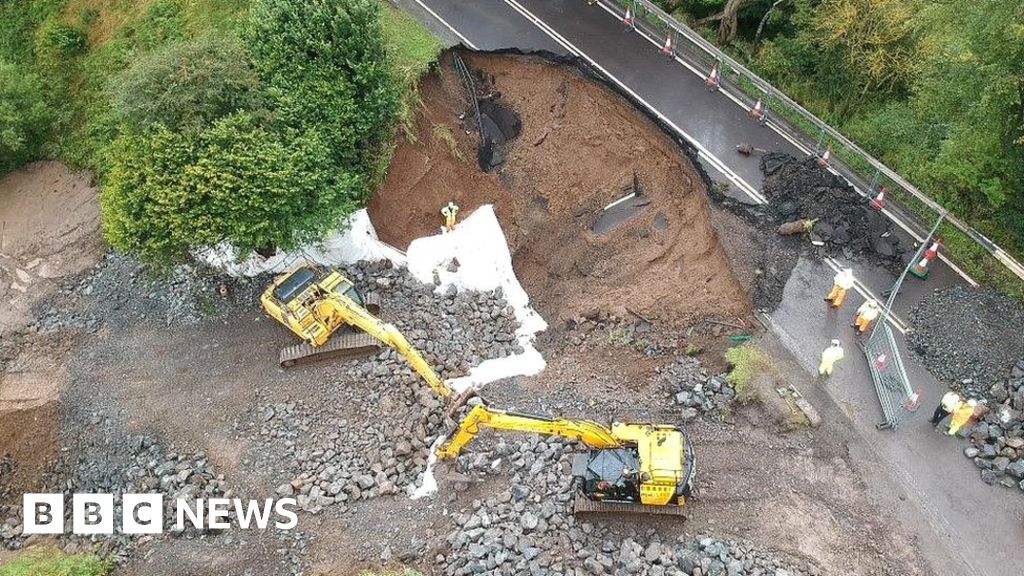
[144, 514]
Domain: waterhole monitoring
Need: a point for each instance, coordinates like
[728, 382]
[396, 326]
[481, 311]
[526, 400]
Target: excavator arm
[590, 433]
[347, 311]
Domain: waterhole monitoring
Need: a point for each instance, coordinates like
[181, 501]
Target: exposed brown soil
[49, 228]
[580, 146]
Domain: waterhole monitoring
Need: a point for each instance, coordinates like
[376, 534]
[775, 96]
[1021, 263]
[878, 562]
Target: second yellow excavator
[334, 320]
[646, 468]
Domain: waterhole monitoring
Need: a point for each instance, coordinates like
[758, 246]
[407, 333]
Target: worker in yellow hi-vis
[866, 314]
[840, 284]
[829, 357]
[961, 416]
[449, 212]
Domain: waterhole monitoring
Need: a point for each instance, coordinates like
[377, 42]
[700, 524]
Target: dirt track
[205, 387]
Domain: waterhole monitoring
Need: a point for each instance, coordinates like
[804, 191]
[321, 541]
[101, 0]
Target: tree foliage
[170, 193]
[24, 115]
[269, 156]
[325, 65]
[935, 88]
[186, 84]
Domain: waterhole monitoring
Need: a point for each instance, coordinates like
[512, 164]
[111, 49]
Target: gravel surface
[695, 391]
[530, 528]
[968, 338]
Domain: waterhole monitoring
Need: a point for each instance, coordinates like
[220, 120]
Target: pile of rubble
[136, 464]
[697, 392]
[968, 337]
[530, 528]
[121, 291]
[799, 189]
[997, 442]
[374, 437]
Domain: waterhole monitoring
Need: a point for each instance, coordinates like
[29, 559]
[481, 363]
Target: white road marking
[447, 25]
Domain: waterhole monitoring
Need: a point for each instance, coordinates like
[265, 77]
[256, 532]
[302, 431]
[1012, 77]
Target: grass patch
[444, 134]
[413, 50]
[50, 562]
[748, 363]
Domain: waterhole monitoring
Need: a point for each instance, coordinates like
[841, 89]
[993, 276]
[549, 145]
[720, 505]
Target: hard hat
[835, 342]
[972, 403]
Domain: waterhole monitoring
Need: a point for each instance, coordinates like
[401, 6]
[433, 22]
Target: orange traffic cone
[667, 49]
[921, 268]
[913, 401]
[713, 82]
[878, 202]
[825, 158]
[627, 20]
[757, 112]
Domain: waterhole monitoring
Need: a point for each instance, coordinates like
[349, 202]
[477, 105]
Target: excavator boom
[585, 431]
[318, 308]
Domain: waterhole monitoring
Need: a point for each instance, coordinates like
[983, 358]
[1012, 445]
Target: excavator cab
[646, 468]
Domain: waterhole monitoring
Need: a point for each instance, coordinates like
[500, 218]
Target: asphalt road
[963, 525]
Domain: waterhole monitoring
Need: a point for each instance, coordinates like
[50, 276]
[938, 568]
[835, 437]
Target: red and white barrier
[921, 268]
[713, 82]
[628, 20]
[826, 158]
[878, 202]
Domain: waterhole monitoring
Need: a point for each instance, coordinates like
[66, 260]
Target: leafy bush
[53, 563]
[170, 193]
[57, 41]
[24, 116]
[748, 364]
[326, 66]
[186, 84]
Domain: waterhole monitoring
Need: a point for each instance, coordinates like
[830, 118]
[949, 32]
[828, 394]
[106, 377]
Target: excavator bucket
[460, 401]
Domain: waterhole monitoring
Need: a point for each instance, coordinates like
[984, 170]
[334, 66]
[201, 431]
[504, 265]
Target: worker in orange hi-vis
[449, 212]
[961, 416]
[866, 314]
[842, 282]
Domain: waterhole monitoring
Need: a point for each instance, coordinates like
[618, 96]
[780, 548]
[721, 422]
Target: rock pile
[695, 391]
[997, 442]
[969, 338]
[121, 292]
[133, 464]
[530, 528]
[799, 189]
[375, 438]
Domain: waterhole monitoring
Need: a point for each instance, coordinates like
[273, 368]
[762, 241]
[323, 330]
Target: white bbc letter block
[92, 513]
[142, 513]
[44, 513]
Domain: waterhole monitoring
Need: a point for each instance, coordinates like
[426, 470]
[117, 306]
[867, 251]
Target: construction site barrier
[908, 207]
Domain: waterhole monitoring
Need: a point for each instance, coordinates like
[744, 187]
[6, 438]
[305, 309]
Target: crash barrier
[889, 376]
[907, 206]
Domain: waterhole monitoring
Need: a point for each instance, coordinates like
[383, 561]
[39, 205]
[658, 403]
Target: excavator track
[585, 505]
[345, 345]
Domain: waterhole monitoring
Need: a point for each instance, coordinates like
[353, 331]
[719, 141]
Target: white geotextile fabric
[484, 263]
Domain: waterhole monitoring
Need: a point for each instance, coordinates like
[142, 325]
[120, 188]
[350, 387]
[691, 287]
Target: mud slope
[579, 150]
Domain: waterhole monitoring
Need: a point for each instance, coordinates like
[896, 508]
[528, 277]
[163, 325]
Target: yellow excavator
[645, 468]
[334, 320]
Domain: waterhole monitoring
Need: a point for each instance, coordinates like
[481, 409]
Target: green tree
[971, 86]
[186, 84]
[326, 66]
[24, 116]
[168, 194]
